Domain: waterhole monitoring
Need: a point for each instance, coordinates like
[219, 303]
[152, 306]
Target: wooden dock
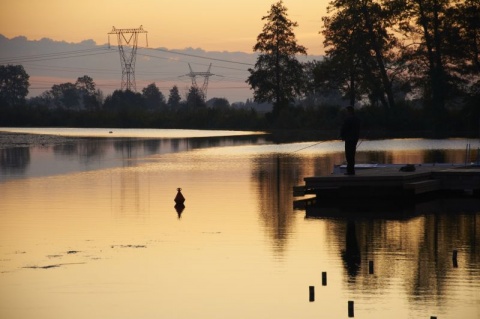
[391, 182]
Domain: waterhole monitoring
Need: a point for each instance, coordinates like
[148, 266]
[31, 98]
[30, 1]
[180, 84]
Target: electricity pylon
[205, 75]
[128, 52]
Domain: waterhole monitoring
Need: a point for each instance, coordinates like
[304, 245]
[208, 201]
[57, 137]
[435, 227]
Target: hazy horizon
[213, 25]
[218, 27]
[50, 62]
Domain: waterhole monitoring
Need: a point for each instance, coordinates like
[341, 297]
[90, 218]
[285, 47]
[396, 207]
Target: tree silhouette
[13, 85]
[278, 75]
[195, 98]
[359, 48]
[90, 96]
[430, 58]
[174, 97]
[154, 99]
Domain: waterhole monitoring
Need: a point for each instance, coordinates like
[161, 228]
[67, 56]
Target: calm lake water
[88, 229]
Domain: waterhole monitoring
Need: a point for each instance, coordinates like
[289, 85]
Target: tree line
[395, 60]
[82, 104]
[406, 65]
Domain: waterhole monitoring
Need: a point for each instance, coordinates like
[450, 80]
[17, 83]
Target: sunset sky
[213, 25]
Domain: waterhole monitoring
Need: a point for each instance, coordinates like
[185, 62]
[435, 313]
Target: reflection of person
[351, 255]
[350, 133]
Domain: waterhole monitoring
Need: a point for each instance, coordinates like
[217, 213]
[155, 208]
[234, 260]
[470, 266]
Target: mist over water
[91, 221]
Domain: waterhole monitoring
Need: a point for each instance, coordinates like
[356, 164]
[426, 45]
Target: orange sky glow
[213, 25]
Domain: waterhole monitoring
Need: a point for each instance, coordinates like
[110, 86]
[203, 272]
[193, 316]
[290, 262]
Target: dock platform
[391, 182]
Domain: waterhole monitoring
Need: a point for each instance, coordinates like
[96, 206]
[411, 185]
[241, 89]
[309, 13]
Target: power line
[39, 58]
[55, 53]
[53, 68]
[167, 77]
[199, 56]
[216, 66]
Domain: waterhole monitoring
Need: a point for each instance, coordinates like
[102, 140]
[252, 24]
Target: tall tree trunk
[434, 58]
[387, 85]
[277, 77]
[436, 68]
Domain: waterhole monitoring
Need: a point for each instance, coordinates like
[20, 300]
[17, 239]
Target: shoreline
[11, 139]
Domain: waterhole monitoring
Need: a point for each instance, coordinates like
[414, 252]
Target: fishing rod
[309, 146]
[301, 149]
[362, 139]
[358, 144]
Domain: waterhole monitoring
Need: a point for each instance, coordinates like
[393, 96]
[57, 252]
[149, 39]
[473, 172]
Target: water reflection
[416, 250]
[14, 160]
[241, 226]
[99, 153]
[410, 243]
[85, 151]
[351, 254]
[274, 175]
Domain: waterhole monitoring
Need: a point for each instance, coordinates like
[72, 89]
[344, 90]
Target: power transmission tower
[205, 75]
[127, 46]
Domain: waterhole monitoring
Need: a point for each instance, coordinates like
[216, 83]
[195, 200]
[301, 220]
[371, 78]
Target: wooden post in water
[370, 267]
[454, 259]
[351, 312]
[324, 278]
[311, 295]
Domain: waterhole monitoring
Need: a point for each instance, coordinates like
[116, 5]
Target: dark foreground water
[88, 229]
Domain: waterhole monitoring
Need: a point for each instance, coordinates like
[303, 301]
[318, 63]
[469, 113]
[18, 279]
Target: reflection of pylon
[206, 75]
[127, 57]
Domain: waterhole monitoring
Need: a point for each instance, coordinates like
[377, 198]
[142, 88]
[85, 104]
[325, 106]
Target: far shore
[12, 139]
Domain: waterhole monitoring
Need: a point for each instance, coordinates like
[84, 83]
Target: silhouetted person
[350, 133]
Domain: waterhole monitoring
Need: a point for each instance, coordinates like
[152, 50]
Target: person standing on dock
[350, 133]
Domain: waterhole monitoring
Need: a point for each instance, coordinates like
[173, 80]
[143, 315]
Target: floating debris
[54, 256]
[51, 266]
[43, 267]
[129, 246]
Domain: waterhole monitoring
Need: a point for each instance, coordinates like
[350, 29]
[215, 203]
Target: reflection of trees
[129, 192]
[374, 157]
[15, 159]
[176, 145]
[417, 251]
[443, 233]
[134, 148]
[434, 156]
[275, 176]
[411, 156]
[205, 142]
[86, 150]
[128, 149]
[151, 146]
[444, 156]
